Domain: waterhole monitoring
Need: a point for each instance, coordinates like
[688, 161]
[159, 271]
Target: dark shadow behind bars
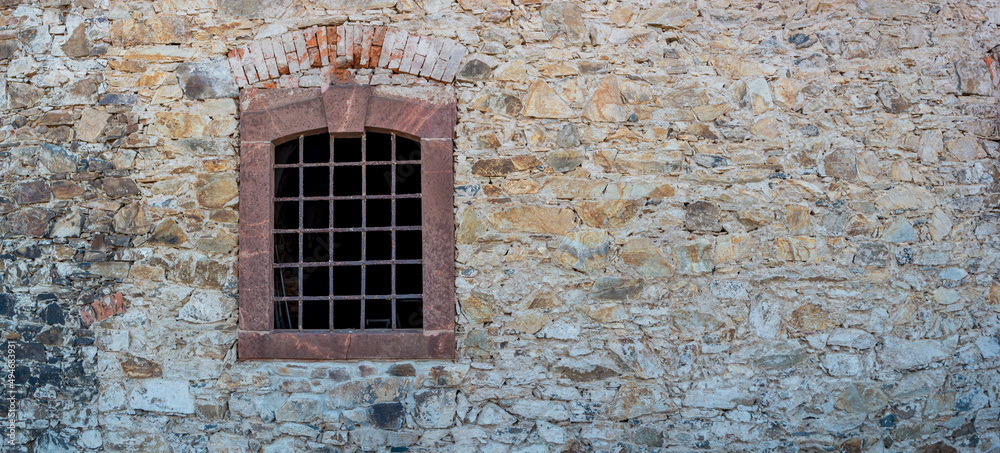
[347, 238]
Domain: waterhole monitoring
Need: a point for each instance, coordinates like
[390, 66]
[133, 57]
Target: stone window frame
[271, 116]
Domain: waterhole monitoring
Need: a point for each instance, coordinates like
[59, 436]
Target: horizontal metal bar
[352, 297]
[342, 263]
[347, 164]
[348, 230]
[351, 197]
[383, 330]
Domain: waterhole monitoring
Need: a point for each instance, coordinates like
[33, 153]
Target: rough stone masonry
[687, 225]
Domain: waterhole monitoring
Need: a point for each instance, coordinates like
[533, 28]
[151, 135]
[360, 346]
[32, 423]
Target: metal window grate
[347, 233]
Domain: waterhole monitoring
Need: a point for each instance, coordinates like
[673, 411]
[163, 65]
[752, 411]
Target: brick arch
[346, 46]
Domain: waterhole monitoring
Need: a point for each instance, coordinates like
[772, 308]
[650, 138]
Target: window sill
[427, 344]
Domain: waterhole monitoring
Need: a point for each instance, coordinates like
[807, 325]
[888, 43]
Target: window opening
[347, 233]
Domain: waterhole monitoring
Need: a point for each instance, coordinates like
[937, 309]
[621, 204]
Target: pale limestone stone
[470, 227]
[536, 219]
[639, 357]
[694, 258]
[633, 400]
[902, 354]
[940, 225]
[964, 149]
[710, 112]
[92, 124]
[643, 255]
[733, 247]
[973, 77]
[899, 231]
[900, 171]
[478, 307]
[931, 145]
[737, 66]
[608, 214]
[668, 18]
[906, 197]
[552, 411]
[586, 251]
[68, 226]
[529, 322]
[543, 102]
[515, 71]
[57, 159]
[570, 188]
[161, 395]
[521, 187]
[716, 393]
[207, 307]
[605, 312]
[607, 103]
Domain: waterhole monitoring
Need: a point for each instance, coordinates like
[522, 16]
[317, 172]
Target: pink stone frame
[275, 115]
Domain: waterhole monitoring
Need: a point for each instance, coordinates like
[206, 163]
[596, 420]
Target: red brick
[87, 315]
[272, 68]
[374, 57]
[280, 58]
[234, 64]
[302, 54]
[309, 35]
[408, 53]
[288, 44]
[341, 40]
[118, 303]
[245, 58]
[418, 61]
[367, 34]
[453, 62]
[252, 76]
[314, 58]
[267, 48]
[357, 41]
[103, 309]
[379, 37]
[432, 57]
[324, 46]
[388, 46]
[331, 38]
[312, 47]
[258, 60]
[442, 61]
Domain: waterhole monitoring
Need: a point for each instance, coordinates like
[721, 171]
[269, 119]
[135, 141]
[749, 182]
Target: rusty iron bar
[300, 265]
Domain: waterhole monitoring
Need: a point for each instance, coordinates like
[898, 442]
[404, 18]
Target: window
[346, 224]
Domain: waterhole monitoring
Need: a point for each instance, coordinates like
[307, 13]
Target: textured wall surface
[690, 225]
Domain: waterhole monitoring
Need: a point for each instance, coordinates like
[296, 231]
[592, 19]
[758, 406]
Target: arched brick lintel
[346, 46]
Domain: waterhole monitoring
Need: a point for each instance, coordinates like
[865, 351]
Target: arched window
[346, 225]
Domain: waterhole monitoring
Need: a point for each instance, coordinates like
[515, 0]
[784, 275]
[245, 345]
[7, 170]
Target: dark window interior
[347, 239]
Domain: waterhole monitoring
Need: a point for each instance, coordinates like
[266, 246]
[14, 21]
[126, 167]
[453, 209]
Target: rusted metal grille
[347, 233]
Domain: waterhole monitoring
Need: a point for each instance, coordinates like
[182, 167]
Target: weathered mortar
[734, 226]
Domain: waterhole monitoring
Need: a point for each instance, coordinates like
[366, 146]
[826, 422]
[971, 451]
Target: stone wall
[690, 225]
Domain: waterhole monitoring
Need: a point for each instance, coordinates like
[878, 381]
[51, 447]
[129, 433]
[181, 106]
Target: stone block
[585, 251]
[161, 396]
[204, 307]
[301, 409]
[210, 79]
[702, 216]
[435, 408]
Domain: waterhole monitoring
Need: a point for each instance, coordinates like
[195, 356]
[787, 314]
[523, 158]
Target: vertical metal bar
[364, 222]
[299, 301]
[330, 238]
[301, 226]
[392, 232]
